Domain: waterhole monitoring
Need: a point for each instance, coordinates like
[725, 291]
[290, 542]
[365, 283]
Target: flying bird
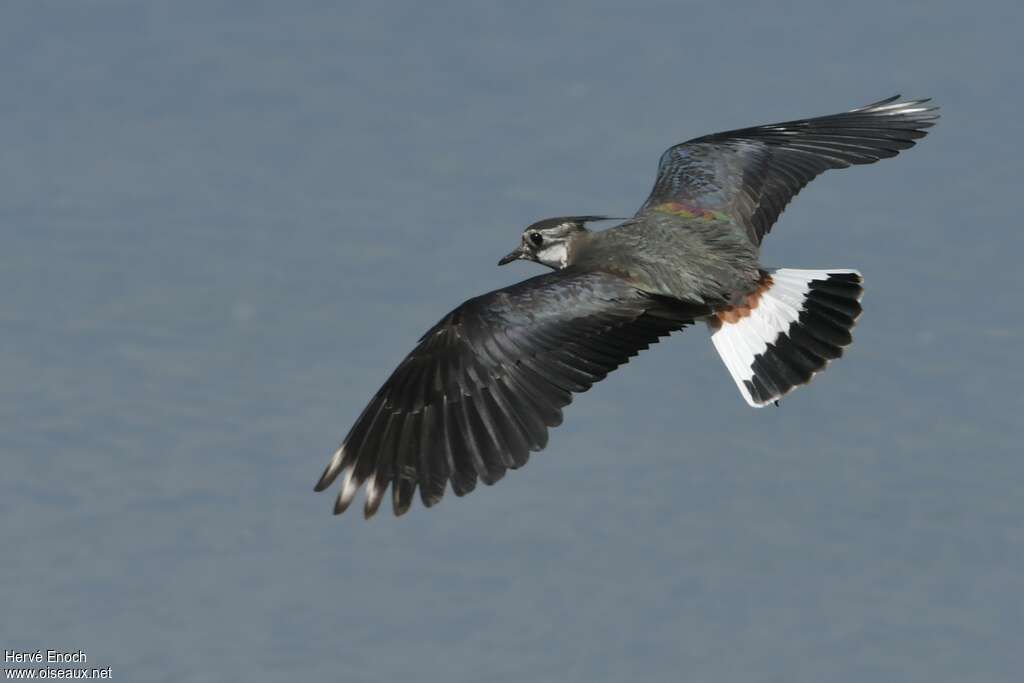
[484, 385]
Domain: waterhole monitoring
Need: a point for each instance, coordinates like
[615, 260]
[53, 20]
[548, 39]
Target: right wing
[482, 387]
[751, 174]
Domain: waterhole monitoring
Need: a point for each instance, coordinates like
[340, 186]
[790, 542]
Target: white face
[553, 254]
[550, 246]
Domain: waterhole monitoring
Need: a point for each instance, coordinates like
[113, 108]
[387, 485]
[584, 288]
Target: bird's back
[699, 258]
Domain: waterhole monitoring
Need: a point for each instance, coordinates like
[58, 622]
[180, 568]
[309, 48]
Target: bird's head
[552, 241]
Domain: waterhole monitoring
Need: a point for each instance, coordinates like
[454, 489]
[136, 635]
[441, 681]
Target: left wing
[484, 385]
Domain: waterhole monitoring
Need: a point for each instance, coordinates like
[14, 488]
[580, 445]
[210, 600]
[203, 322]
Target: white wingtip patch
[335, 462]
[349, 486]
[374, 493]
[331, 471]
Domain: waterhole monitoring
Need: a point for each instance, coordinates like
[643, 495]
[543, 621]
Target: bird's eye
[536, 238]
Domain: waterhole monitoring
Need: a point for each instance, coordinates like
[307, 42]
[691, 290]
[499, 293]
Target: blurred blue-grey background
[223, 224]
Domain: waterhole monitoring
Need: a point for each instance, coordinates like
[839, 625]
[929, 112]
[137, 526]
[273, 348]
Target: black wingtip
[922, 109]
[341, 505]
[402, 491]
[883, 101]
[325, 480]
[330, 473]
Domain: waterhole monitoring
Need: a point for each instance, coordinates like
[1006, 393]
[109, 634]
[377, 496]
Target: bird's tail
[787, 331]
